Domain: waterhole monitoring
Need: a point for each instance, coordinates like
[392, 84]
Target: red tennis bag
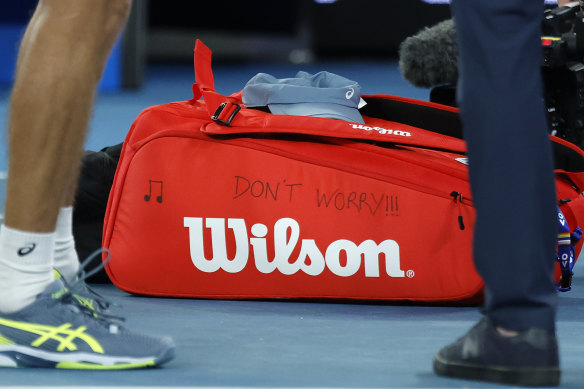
[215, 200]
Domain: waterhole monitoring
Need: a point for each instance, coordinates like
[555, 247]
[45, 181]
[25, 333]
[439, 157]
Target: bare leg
[60, 62]
[61, 59]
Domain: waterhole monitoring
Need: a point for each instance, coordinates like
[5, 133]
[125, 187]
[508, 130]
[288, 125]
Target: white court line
[203, 387]
[180, 386]
[170, 387]
[191, 387]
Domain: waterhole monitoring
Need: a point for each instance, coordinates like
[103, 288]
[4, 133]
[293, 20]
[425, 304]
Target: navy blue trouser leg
[500, 94]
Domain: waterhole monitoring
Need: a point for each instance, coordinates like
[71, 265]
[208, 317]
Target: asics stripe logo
[29, 248]
[85, 302]
[63, 334]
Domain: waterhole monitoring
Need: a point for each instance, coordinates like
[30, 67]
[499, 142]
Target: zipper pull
[457, 196]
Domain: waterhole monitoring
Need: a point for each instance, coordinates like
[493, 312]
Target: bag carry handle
[218, 105]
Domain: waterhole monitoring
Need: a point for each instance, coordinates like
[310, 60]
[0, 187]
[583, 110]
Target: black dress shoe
[528, 359]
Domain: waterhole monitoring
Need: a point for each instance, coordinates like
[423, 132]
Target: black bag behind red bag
[215, 200]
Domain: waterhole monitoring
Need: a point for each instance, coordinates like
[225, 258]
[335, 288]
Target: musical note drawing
[149, 195]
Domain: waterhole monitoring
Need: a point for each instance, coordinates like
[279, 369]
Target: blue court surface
[284, 344]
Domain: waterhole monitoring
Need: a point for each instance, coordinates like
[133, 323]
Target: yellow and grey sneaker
[57, 331]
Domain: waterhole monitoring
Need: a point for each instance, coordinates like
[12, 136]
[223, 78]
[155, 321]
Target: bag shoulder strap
[438, 118]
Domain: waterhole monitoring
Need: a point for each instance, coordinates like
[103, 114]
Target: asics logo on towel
[286, 239]
[381, 130]
[64, 335]
[27, 249]
[350, 93]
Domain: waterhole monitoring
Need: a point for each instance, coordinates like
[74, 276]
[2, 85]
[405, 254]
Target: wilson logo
[381, 130]
[286, 238]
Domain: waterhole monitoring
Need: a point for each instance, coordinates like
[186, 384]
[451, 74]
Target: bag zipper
[459, 199]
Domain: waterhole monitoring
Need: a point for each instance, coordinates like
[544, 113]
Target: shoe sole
[536, 376]
[25, 357]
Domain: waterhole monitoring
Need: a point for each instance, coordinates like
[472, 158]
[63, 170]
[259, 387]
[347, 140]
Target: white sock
[66, 259]
[26, 267]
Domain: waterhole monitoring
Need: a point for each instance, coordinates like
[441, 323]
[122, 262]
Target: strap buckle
[216, 116]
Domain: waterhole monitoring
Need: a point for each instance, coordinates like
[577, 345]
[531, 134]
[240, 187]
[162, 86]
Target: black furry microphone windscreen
[430, 57]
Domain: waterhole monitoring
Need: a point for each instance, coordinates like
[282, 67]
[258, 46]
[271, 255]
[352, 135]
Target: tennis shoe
[57, 331]
[527, 359]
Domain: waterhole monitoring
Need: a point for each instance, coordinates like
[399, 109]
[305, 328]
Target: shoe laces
[75, 294]
[79, 288]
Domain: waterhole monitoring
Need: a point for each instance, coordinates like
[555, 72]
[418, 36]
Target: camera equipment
[563, 71]
[429, 60]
